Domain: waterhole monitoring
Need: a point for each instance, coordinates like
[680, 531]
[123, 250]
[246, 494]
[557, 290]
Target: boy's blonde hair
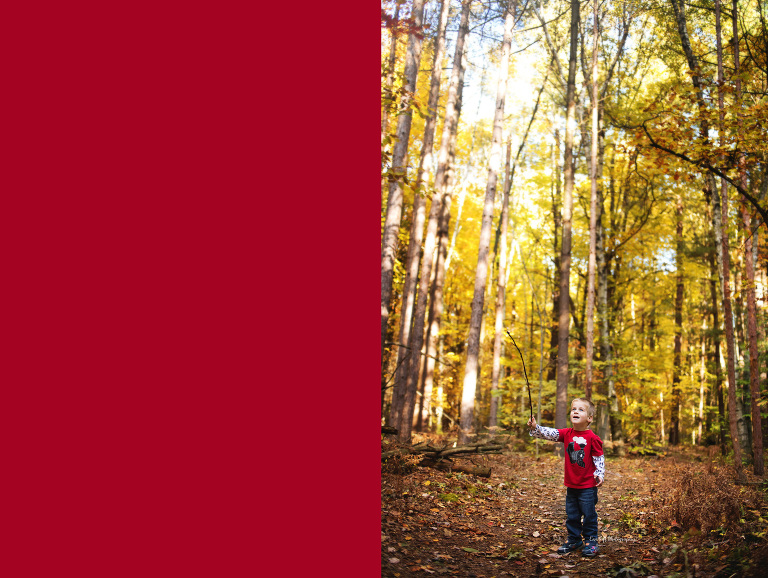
[590, 406]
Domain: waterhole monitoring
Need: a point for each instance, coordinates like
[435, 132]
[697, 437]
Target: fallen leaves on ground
[511, 524]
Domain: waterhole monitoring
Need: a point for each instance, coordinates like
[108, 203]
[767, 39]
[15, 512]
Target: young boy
[584, 473]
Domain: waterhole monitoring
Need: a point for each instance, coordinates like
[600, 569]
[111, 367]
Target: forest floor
[676, 515]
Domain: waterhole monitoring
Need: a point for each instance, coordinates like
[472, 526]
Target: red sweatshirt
[580, 449]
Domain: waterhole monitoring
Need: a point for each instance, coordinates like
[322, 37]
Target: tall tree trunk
[473, 341]
[501, 284]
[729, 339]
[436, 291]
[602, 317]
[702, 380]
[674, 420]
[561, 403]
[590, 337]
[615, 305]
[716, 338]
[403, 419]
[419, 206]
[721, 217]
[435, 315]
[504, 265]
[754, 384]
[399, 162]
[557, 221]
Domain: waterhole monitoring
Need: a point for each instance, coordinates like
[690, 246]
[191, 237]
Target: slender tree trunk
[403, 419]
[722, 224]
[500, 291]
[615, 304]
[435, 314]
[557, 220]
[716, 338]
[674, 420]
[729, 338]
[721, 218]
[399, 162]
[504, 264]
[419, 206]
[561, 403]
[440, 395]
[592, 218]
[754, 384]
[436, 291]
[602, 317]
[473, 341]
[702, 379]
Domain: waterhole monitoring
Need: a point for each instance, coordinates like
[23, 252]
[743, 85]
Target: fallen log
[444, 452]
[440, 457]
[449, 466]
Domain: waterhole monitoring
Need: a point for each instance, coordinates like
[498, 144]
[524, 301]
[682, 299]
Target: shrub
[707, 502]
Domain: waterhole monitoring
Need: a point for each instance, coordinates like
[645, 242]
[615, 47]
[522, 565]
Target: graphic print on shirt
[576, 451]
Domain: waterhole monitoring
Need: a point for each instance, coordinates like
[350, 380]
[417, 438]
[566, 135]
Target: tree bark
[590, 323]
[603, 320]
[399, 162]
[674, 420]
[754, 384]
[481, 273]
[715, 350]
[721, 217]
[561, 403]
[721, 232]
[557, 220]
[501, 285]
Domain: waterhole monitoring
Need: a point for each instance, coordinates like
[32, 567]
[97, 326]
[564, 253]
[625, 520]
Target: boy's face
[580, 415]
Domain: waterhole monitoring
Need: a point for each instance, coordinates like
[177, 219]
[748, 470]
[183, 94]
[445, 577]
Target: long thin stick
[530, 401]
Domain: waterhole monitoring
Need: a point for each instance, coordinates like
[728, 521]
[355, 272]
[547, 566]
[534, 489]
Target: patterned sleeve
[599, 462]
[547, 433]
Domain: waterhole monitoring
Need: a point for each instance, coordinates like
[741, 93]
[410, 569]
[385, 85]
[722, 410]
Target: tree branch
[704, 164]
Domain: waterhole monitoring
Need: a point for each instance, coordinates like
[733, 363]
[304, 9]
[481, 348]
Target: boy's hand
[532, 423]
[599, 481]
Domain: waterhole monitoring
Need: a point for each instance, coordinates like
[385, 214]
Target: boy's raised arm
[537, 431]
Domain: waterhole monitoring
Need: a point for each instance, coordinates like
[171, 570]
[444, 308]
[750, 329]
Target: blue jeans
[580, 503]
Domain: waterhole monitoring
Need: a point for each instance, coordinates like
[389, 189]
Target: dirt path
[512, 523]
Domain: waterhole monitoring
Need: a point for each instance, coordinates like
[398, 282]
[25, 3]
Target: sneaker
[590, 550]
[569, 547]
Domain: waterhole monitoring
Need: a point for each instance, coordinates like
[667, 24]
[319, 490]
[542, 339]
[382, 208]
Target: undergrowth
[707, 503]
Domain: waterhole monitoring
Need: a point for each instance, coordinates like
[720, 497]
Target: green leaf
[470, 550]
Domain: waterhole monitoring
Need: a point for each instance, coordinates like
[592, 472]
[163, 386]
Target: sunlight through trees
[592, 178]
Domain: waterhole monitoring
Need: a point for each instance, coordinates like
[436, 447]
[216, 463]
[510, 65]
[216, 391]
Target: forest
[574, 205]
